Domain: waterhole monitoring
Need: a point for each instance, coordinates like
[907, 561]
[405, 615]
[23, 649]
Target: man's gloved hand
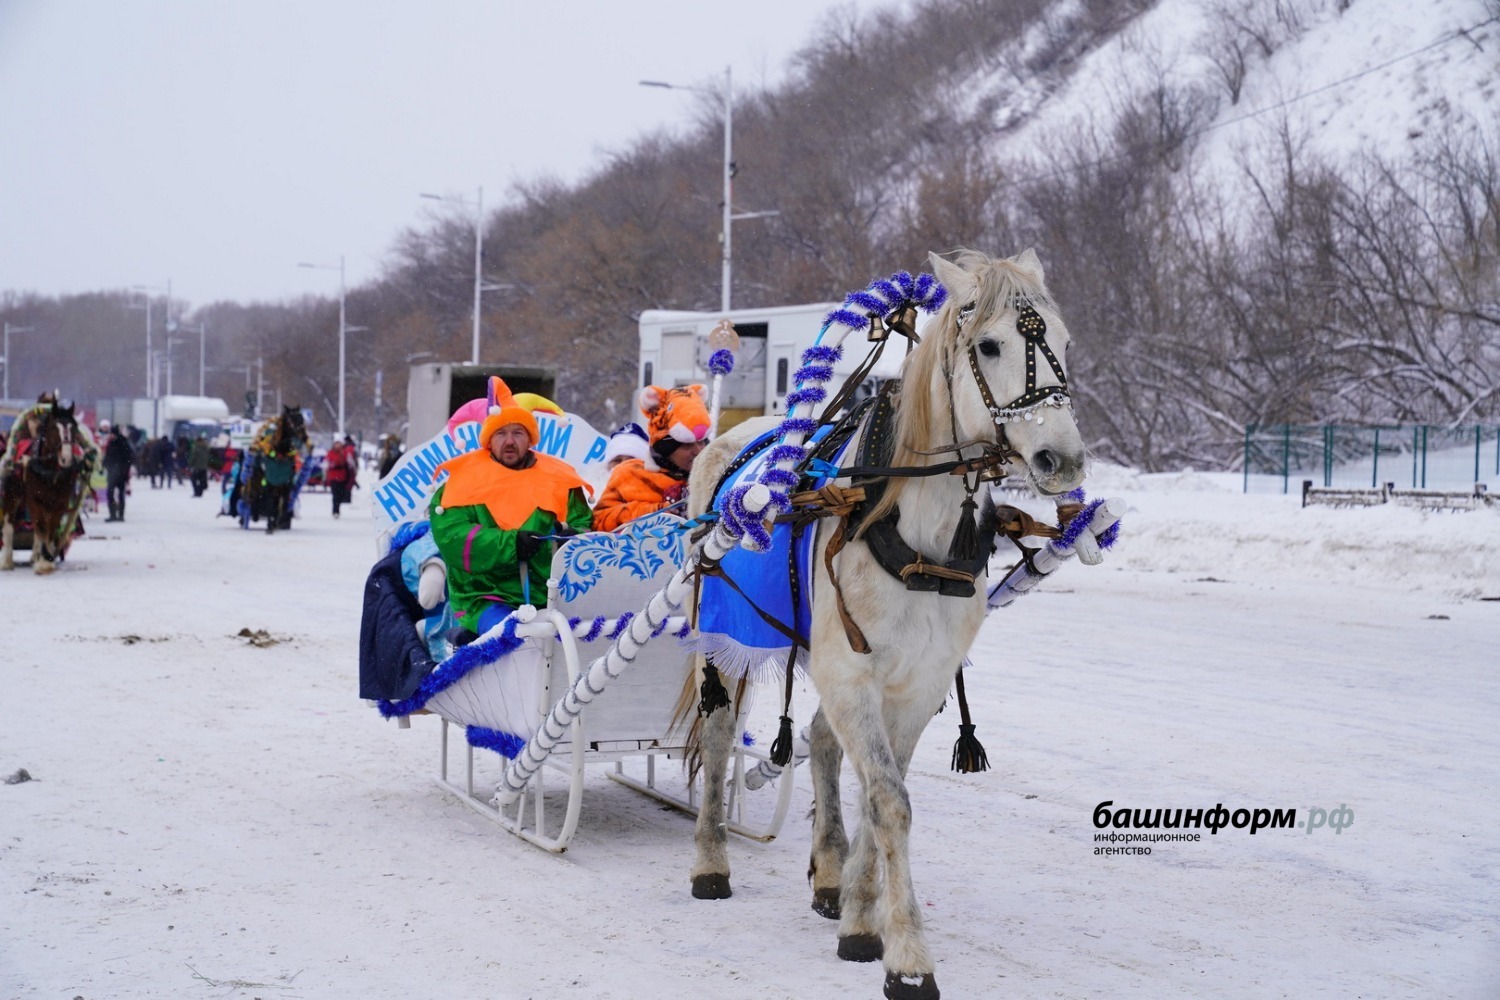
[433, 586]
[673, 493]
[528, 543]
[565, 530]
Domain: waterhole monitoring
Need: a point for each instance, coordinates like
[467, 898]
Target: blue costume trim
[505, 744]
[451, 670]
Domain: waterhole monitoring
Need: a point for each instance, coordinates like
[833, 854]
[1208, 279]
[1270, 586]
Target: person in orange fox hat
[677, 430]
[493, 518]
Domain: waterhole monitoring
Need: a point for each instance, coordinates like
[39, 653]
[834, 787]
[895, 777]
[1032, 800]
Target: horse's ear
[960, 283]
[1028, 261]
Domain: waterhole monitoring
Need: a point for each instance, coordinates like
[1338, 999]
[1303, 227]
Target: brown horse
[44, 483]
[268, 478]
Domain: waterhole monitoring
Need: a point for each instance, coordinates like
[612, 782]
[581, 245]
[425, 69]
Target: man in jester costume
[495, 517]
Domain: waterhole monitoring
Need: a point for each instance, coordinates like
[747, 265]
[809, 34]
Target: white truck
[174, 416]
[675, 351]
[437, 388]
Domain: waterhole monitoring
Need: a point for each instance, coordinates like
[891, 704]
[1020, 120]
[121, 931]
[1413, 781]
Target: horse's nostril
[1044, 462]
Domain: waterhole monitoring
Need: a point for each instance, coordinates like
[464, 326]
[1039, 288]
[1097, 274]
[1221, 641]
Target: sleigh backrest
[610, 573]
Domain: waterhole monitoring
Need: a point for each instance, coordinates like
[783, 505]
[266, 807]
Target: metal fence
[1278, 457]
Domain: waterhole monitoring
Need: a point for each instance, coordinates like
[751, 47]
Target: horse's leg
[711, 833]
[830, 844]
[7, 545]
[43, 529]
[882, 844]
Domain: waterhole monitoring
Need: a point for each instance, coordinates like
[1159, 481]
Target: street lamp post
[171, 363]
[150, 357]
[202, 330]
[9, 329]
[726, 277]
[478, 258]
[343, 332]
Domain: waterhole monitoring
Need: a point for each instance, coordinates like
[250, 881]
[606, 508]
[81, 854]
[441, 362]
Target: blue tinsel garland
[882, 298]
[721, 362]
[451, 670]
[505, 744]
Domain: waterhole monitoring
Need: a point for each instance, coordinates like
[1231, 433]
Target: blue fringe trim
[505, 744]
[451, 670]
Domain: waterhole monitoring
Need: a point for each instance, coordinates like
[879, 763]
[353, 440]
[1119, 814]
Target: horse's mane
[920, 421]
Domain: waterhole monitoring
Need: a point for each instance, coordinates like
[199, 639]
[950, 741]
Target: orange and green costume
[476, 515]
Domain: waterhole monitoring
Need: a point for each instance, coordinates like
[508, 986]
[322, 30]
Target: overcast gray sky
[216, 144]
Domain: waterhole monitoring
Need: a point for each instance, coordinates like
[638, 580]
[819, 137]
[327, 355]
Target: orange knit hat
[509, 408]
[512, 414]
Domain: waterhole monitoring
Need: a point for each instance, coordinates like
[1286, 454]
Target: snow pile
[1201, 523]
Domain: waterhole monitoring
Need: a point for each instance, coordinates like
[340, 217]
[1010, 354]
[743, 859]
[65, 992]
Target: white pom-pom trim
[494, 411]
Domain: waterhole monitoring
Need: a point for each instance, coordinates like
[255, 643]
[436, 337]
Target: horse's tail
[692, 701]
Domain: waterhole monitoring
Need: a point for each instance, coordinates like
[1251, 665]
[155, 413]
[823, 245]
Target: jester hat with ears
[499, 401]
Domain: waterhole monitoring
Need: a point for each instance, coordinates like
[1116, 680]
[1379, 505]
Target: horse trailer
[674, 351]
[436, 388]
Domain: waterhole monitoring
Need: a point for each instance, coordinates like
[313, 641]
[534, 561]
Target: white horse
[985, 379]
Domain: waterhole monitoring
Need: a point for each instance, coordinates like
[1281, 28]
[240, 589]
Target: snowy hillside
[214, 813]
[1374, 76]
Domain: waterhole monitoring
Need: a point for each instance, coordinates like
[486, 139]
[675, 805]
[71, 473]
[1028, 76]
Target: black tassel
[712, 694]
[968, 755]
[781, 750]
[965, 544]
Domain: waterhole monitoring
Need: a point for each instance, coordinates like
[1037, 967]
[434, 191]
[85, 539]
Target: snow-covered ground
[210, 817]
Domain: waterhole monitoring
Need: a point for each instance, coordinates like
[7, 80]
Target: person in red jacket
[339, 471]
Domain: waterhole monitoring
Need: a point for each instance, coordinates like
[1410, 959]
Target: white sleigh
[628, 725]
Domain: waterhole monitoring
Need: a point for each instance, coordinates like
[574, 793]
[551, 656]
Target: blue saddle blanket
[730, 631]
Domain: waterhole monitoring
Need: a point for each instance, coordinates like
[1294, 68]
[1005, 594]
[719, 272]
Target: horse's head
[58, 434]
[291, 429]
[1003, 349]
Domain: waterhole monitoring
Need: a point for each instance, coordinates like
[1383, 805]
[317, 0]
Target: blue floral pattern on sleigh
[640, 548]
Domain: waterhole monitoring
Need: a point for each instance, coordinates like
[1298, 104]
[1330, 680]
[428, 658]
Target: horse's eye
[989, 348]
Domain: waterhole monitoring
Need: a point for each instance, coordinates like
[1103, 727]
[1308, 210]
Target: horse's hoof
[711, 886]
[826, 903]
[862, 948]
[911, 986]
[43, 569]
